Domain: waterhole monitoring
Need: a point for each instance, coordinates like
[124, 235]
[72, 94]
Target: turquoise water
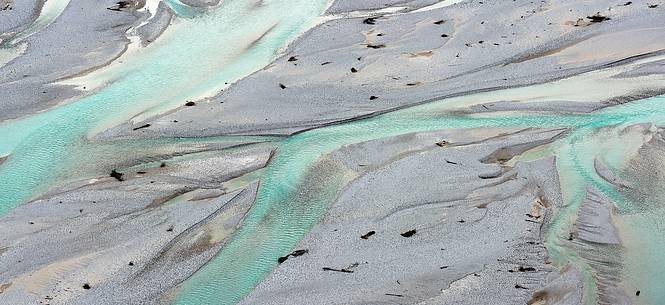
[177, 67]
[298, 185]
[280, 218]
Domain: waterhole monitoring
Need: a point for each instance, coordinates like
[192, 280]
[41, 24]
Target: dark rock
[653, 5]
[637, 293]
[295, 253]
[368, 234]
[526, 269]
[442, 143]
[190, 103]
[376, 46]
[86, 286]
[439, 22]
[282, 86]
[120, 5]
[326, 63]
[354, 70]
[409, 233]
[337, 270]
[131, 263]
[142, 126]
[117, 175]
[373, 97]
[370, 20]
[489, 175]
[293, 58]
[598, 18]
[394, 295]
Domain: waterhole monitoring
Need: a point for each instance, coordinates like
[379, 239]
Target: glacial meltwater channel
[194, 58]
[197, 55]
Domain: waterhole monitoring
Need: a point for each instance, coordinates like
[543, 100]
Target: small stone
[117, 175]
[409, 233]
[368, 234]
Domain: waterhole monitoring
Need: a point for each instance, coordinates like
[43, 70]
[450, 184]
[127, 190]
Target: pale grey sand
[594, 219]
[608, 175]
[403, 59]
[131, 240]
[15, 15]
[87, 35]
[476, 239]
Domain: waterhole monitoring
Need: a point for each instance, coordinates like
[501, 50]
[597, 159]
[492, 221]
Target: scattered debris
[120, 5]
[295, 253]
[368, 234]
[409, 233]
[141, 127]
[117, 175]
[489, 175]
[337, 270]
[598, 18]
[190, 103]
[376, 46]
[371, 20]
